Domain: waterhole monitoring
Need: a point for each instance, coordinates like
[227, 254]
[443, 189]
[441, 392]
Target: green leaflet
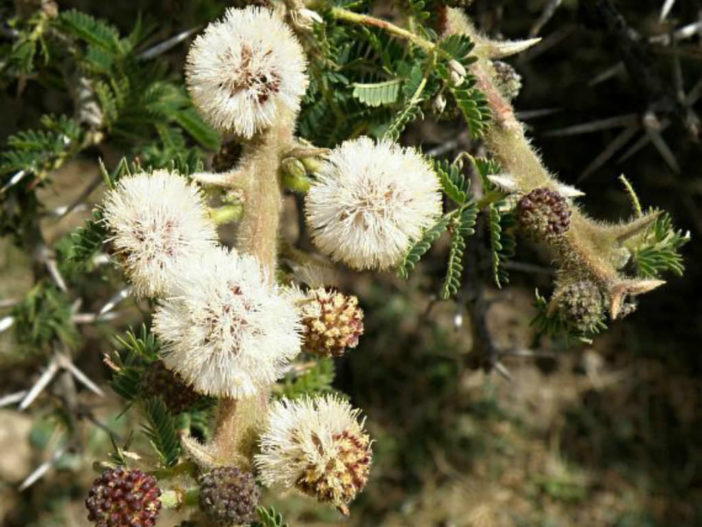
[162, 431]
[463, 226]
[454, 183]
[658, 252]
[422, 245]
[269, 517]
[378, 93]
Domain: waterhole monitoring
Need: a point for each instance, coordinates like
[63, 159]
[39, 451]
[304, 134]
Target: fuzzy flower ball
[243, 67]
[317, 446]
[370, 202]
[226, 331]
[158, 220]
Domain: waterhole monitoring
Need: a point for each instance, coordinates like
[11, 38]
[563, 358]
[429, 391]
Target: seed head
[229, 496]
[544, 214]
[123, 498]
[159, 381]
[244, 68]
[581, 304]
[226, 331]
[331, 322]
[317, 446]
[370, 202]
[158, 221]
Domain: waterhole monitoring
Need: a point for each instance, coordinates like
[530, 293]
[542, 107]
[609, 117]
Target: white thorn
[81, 377]
[665, 10]
[568, 191]
[116, 299]
[6, 323]
[12, 398]
[42, 383]
[311, 15]
[507, 48]
[164, 46]
[42, 469]
[504, 181]
[14, 180]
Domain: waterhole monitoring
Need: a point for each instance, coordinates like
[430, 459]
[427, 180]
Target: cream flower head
[317, 446]
[370, 202]
[158, 220]
[243, 67]
[226, 331]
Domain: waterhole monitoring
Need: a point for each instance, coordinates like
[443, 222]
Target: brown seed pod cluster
[124, 498]
[229, 496]
[544, 215]
[159, 381]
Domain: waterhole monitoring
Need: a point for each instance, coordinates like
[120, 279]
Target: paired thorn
[59, 361]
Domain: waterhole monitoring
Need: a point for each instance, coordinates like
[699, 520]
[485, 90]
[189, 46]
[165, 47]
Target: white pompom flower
[370, 202]
[318, 446]
[243, 67]
[226, 331]
[157, 220]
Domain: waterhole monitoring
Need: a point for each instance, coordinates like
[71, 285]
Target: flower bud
[438, 104]
[457, 72]
[544, 215]
[123, 498]
[581, 304]
[331, 322]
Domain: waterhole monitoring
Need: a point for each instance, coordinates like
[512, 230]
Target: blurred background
[606, 434]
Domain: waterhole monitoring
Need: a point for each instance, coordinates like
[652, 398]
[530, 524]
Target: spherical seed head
[158, 220]
[370, 202]
[124, 498]
[581, 304]
[317, 446]
[331, 322]
[159, 381]
[244, 68]
[229, 496]
[544, 214]
[226, 331]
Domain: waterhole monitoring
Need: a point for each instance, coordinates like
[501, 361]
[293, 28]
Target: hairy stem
[238, 421]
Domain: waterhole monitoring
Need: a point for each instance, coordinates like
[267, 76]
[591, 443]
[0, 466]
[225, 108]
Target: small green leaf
[378, 93]
[162, 431]
[422, 245]
[269, 517]
[453, 181]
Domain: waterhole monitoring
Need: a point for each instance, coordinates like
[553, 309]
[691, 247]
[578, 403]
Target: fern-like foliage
[454, 183]
[463, 226]
[44, 316]
[317, 379]
[269, 517]
[421, 246]
[502, 241]
[659, 250]
[162, 430]
[135, 352]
